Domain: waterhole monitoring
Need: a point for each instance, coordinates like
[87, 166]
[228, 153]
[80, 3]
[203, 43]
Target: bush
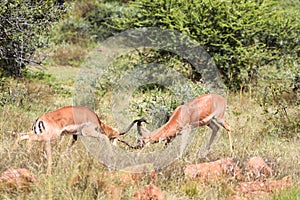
[277, 94]
[68, 55]
[83, 25]
[24, 28]
[240, 35]
[86, 22]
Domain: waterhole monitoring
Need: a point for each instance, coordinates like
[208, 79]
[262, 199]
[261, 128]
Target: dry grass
[68, 55]
[77, 175]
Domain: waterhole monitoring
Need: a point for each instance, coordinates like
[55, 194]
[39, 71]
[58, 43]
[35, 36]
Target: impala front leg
[48, 151]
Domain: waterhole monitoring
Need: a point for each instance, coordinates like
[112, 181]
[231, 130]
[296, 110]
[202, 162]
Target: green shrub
[24, 28]
[240, 35]
[68, 55]
[159, 95]
[279, 101]
[36, 87]
[86, 22]
[288, 194]
[83, 25]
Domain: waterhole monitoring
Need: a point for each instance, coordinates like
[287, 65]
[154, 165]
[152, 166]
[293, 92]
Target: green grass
[290, 194]
[77, 175]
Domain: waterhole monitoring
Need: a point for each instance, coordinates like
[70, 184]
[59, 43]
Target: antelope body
[207, 109]
[69, 120]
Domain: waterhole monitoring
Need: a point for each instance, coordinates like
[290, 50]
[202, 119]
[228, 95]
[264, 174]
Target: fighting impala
[207, 109]
[69, 120]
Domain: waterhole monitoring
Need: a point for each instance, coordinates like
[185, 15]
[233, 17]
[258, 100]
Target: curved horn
[138, 121]
[139, 124]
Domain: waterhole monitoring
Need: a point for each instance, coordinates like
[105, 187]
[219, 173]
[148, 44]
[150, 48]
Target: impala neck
[164, 132]
[170, 129]
[109, 131]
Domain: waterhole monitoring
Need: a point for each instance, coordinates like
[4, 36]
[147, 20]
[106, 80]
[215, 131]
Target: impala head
[144, 139]
[141, 143]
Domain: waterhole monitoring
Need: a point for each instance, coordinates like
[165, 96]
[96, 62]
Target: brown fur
[207, 109]
[69, 120]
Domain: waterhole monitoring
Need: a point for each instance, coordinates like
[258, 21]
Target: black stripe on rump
[41, 125]
[34, 126]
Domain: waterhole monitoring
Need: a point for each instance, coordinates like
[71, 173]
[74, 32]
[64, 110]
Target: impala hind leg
[36, 137]
[215, 128]
[41, 138]
[228, 129]
[226, 125]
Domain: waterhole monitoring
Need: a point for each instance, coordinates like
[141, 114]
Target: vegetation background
[255, 45]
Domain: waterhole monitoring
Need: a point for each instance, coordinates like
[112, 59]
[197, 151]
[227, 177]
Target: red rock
[151, 192]
[129, 178]
[113, 192]
[134, 178]
[19, 178]
[258, 168]
[102, 181]
[213, 171]
[260, 188]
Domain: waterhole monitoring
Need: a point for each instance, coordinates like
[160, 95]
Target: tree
[241, 36]
[25, 27]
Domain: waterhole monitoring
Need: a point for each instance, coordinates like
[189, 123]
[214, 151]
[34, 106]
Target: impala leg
[15, 144]
[36, 137]
[215, 128]
[41, 138]
[32, 137]
[228, 129]
[25, 136]
[220, 120]
[29, 143]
